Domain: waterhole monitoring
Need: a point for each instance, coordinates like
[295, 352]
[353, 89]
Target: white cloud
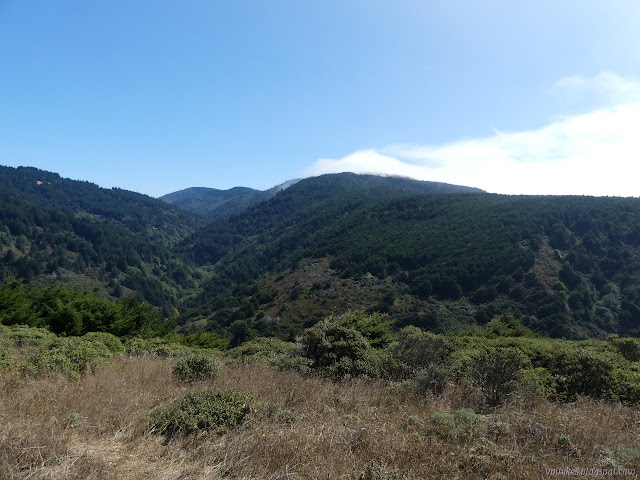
[606, 86]
[366, 161]
[597, 153]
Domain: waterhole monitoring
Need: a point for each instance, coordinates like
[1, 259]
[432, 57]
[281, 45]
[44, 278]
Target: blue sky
[157, 96]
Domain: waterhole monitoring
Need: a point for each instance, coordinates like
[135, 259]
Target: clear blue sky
[156, 96]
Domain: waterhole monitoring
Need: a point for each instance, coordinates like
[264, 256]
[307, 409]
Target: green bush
[626, 454]
[433, 379]
[369, 365]
[286, 362]
[76, 419]
[553, 368]
[136, 347]
[262, 348]
[213, 411]
[24, 336]
[496, 370]
[113, 343]
[4, 334]
[462, 424]
[203, 340]
[6, 360]
[418, 353]
[584, 370]
[627, 384]
[271, 351]
[375, 327]
[197, 367]
[337, 350]
[507, 326]
[536, 381]
[71, 356]
[628, 347]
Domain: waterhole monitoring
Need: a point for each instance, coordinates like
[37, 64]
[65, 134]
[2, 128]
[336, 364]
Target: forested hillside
[568, 266]
[211, 202]
[147, 217]
[55, 230]
[214, 205]
[310, 205]
[43, 245]
[442, 257]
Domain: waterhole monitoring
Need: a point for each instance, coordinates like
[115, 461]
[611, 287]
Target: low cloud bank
[596, 153]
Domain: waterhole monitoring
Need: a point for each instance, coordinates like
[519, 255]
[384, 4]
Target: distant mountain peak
[215, 204]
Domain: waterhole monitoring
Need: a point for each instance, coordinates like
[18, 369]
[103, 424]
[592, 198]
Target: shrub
[76, 419]
[462, 424]
[626, 454]
[262, 348]
[23, 336]
[204, 340]
[337, 350]
[433, 379]
[213, 411]
[416, 352]
[495, 370]
[71, 356]
[113, 343]
[369, 365]
[627, 384]
[272, 351]
[4, 334]
[584, 370]
[375, 327]
[628, 347]
[197, 367]
[286, 362]
[379, 471]
[6, 360]
[536, 382]
[507, 326]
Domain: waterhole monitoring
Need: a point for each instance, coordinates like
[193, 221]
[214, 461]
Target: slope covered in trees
[310, 205]
[568, 266]
[209, 201]
[44, 245]
[140, 214]
[438, 256]
[215, 205]
[68, 311]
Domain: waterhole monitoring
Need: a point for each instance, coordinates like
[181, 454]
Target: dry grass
[301, 428]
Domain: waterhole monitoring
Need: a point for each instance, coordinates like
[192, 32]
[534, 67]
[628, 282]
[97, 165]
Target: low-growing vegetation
[213, 411]
[349, 399]
[71, 356]
[197, 367]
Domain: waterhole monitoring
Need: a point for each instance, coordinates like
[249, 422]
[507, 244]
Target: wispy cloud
[607, 86]
[596, 153]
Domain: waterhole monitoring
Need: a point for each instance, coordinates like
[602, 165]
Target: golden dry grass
[301, 428]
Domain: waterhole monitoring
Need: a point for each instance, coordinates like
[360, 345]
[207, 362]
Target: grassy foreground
[301, 427]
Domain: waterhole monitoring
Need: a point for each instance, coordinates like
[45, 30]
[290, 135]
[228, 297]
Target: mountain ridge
[134, 211]
[442, 257]
[214, 205]
[479, 253]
